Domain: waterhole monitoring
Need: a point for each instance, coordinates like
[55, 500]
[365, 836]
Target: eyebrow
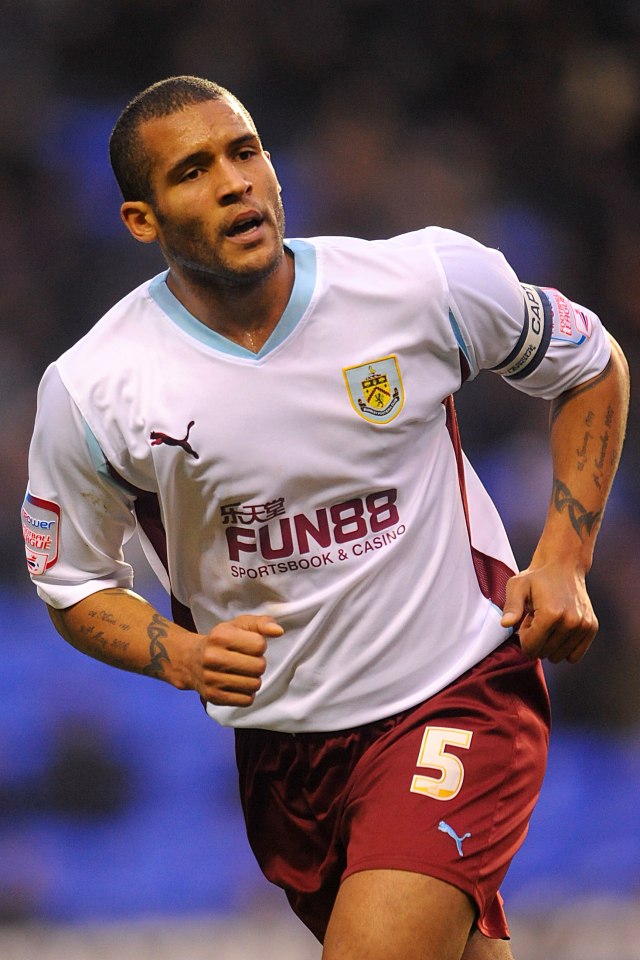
[206, 155]
[198, 156]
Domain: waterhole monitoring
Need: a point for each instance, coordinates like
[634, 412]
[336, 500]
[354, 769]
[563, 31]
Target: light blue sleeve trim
[303, 286]
[100, 461]
[457, 332]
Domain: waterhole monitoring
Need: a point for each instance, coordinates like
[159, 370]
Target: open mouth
[244, 226]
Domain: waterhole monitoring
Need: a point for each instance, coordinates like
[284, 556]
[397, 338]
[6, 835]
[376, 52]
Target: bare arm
[549, 599]
[123, 630]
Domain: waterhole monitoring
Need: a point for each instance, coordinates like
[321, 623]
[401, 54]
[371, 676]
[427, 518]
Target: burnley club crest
[375, 389]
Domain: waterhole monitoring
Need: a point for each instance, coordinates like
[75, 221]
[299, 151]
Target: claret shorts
[444, 789]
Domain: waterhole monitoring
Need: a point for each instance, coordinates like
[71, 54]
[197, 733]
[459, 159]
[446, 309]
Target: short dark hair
[130, 161]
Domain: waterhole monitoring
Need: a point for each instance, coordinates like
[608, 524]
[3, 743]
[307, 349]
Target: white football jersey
[320, 481]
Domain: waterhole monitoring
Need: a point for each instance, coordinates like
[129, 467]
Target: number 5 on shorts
[433, 754]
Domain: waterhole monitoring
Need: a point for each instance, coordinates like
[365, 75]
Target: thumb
[516, 603]
[263, 624]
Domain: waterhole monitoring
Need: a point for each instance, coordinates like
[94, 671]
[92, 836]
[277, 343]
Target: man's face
[217, 207]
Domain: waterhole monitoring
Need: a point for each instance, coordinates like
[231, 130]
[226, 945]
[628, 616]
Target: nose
[232, 182]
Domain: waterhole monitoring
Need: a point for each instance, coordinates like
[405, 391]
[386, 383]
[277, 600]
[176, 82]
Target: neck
[245, 314]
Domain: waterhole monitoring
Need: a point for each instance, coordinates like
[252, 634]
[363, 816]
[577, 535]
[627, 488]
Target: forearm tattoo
[157, 650]
[583, 451]
[600, 462]
[580, 518]
[597, 453]
[97, 644]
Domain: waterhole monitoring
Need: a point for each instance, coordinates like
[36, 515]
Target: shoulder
[471, 263]
[114, 347]
[126, 317]
[457, 254]
[425, 238]
[106, 372]
[409, 258]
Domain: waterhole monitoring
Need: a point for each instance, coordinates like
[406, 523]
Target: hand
[227, 664]
[552, 613]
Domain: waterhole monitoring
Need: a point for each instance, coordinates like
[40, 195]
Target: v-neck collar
[303, 286]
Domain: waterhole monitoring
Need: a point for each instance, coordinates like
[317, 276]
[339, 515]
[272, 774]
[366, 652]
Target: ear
[139, 219]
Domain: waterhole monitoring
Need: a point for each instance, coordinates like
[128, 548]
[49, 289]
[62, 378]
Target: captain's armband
[534, 338]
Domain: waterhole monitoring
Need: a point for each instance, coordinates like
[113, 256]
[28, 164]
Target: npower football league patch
[41, 531]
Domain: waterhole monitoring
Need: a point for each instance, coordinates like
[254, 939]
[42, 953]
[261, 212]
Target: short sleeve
[75, 520]
[537, 339]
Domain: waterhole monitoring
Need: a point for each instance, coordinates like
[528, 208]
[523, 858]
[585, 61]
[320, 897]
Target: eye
[246, 153]
[191, 174]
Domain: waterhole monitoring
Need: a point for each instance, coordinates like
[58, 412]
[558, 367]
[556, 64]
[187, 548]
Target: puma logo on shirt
[157, 438]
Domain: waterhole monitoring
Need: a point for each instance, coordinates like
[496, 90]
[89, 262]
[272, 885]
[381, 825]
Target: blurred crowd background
[515, 121]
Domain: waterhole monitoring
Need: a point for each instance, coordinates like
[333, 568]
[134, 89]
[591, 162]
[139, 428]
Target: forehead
[200, 126]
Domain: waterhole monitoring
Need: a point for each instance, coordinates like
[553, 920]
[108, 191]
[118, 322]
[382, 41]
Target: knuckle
[215, 658]
[216, 638]
[261, 644]
[572, 621]
[556, 613]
